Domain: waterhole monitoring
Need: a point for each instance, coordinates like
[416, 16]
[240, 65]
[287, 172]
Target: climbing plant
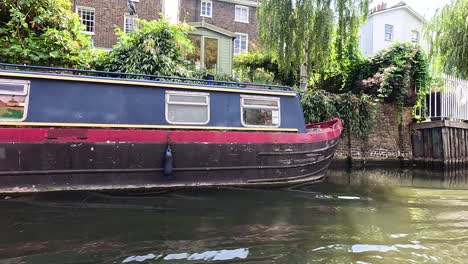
[356, 111]
[391, 75]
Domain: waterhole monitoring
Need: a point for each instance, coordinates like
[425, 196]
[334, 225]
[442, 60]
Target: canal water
[363, 216]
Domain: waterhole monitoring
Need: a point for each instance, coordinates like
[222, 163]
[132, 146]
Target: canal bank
[389, 142]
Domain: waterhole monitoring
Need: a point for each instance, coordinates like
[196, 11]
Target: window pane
[240, 43]
[14, 88]
[248, 102]
[130, 23]
[260, 117]
[187, 114]
[86, 18]
[187, 99]
[211, 53]
[194, 56]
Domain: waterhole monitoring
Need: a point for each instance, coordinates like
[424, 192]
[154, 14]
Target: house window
[415, 36]
[242, 14]
[210, 53]
[130, 23]
[87, 18]
[260, 111]
[388, 32]
[206, 8]
[187, 108]
[241, 43]
[13, 99]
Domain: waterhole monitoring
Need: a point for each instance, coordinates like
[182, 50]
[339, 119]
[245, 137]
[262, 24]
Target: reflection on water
[364, 216]
[213, 255]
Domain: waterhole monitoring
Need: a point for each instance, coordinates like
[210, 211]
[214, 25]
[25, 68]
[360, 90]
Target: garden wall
[388, 141]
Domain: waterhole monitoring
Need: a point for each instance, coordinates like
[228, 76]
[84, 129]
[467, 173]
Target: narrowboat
[67, 129]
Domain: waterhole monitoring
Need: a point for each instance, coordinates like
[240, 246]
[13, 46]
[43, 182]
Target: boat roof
[43, 70]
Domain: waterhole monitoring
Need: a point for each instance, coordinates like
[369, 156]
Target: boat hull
[61, 163]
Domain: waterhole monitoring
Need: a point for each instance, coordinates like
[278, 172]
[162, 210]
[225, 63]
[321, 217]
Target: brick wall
[223, 15]
[110, 13]
[387, 142]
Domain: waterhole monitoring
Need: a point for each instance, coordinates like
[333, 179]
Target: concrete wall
[387, 142]
[372, 37]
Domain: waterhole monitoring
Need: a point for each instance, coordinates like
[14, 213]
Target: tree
[42, 32]
[448, 32]
[155, 47]
[300, 32]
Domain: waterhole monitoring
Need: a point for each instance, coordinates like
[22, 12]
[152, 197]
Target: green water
[372, 216]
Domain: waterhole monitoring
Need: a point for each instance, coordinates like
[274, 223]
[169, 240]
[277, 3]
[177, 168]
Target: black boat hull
[57, 166]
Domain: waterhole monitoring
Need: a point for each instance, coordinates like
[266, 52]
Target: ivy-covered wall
[387, 142]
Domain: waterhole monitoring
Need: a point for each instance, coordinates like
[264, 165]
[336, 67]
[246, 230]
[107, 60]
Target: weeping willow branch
[448, 32]
[301, 33]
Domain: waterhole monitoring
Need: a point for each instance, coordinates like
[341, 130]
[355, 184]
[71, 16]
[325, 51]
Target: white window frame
[238, 34]
[264, 98]
[390, 34]
[413, 39]
[135, 17]
[206, 2]
[25, 93]
[238, 18]
[81, 18]
[167, 103]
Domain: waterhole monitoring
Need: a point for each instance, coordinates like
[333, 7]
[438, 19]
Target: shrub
[156, 48]
[356, 111]
[42, 32]
[262, 67]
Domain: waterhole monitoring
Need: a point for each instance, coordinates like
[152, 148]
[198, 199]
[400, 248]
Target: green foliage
[356, 112]
[346, 44]
[42, 32]
[448, 32]
[301, 33]
[391, 74]
[262, 67]
[156, 48]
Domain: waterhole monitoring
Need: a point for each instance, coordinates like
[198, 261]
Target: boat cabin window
[260, 111]
[187, 108]
[13, 99]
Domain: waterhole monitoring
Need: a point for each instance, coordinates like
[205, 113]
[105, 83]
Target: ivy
[392, 75]
[356, 111]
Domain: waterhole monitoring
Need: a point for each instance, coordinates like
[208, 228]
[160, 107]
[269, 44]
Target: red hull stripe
[180, 136]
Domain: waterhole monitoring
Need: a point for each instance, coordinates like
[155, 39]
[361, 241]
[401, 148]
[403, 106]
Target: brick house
[236, 16]
[232, 23]
[101, 17]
